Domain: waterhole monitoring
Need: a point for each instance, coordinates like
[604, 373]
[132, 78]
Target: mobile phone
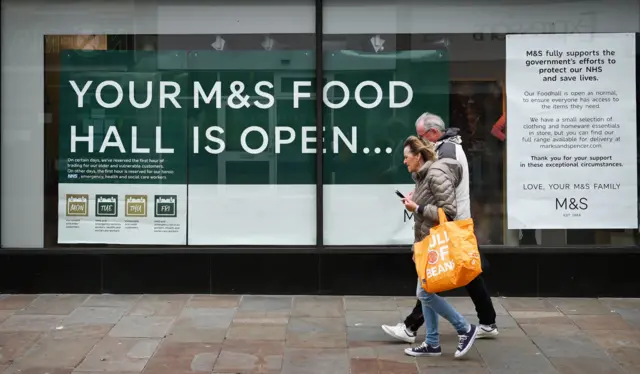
[399, 194]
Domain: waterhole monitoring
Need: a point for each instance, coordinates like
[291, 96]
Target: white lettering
[117, 142]
[375, 102]
[280, 140]
[297, 94]
[99, 99]
[134, 142]
[265, 140]
[198, 92]
[266, 95]
[352, 144]
[209, 135]
[325, 94]
[75, 138]
[164, 95]
[80, 93]
[132, 95]
[392, 94]
[159, 148]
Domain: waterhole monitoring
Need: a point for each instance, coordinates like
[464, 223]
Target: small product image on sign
[106, 205]
[165, 205]
[77, 205]
[135, 205]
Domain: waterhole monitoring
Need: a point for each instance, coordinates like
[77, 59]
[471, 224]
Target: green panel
[427, 72]
[116, 165]
[235, 165]
[185, 129]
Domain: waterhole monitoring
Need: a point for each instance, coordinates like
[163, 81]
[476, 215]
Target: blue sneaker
[423, 350]
[465, 341]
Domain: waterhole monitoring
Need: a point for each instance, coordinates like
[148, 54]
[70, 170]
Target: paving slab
[183, 358]
[55, 353]
[14, 345]
[119, 355]
[142, 327]
[4, 314]
[16, 302]
[95, 315]
[110, 300]
[213, 301]
[570, 306]
[159, 305]
[370, 303]
[39, 323]
[241, 356]
[307, 332]
[322, 307]
[221, 334]
[315, 361]
[54, 304]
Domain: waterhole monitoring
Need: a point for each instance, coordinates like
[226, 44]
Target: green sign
[147, 121]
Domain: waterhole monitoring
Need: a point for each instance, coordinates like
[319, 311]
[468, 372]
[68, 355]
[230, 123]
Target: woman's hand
[409, 205]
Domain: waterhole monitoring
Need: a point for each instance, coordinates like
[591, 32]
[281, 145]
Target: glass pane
[212, 174]
[466, 86]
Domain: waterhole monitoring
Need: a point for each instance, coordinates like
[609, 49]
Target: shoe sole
[407, 339]
[415, 354]
[466, 350]
[487, 334]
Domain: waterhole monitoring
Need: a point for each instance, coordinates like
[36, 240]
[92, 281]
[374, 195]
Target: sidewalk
[180, 334]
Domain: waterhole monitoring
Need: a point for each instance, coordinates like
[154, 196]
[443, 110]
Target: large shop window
[184, 139]
[223, 151]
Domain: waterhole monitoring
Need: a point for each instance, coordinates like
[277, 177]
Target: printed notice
[126, 214]
[571, 129]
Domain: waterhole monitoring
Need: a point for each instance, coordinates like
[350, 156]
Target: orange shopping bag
[448, 258]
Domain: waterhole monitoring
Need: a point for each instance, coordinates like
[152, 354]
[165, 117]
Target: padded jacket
[436, 183]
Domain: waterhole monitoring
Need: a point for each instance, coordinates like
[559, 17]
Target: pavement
[180, 334]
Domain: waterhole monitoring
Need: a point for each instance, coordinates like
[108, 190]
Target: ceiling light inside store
[219, 43]
[377, 43]
[268, 43]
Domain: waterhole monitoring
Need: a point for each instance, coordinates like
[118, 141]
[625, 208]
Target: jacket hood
[450, 135]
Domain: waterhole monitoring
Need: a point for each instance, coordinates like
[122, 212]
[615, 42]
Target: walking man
[431, 127]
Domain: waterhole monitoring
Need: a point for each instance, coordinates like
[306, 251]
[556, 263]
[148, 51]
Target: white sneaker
[400, 332]
[487, 331]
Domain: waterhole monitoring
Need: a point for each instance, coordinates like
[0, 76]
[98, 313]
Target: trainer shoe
[465, 341]
[487, 331]
[423, 350]
[400, 332]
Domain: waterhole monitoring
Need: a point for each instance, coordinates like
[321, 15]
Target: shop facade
[212, 146]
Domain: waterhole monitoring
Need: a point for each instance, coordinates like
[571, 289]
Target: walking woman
[436, 181]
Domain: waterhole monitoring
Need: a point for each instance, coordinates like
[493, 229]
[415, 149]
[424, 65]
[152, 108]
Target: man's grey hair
[430, 121]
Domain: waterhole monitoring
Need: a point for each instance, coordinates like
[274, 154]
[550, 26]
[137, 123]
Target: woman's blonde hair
[419, 146]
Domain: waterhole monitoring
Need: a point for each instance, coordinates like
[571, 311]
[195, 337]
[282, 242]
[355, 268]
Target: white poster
[571, 131]
[122, 213]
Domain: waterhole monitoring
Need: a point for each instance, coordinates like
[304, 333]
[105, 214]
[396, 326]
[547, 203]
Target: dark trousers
[480, 297]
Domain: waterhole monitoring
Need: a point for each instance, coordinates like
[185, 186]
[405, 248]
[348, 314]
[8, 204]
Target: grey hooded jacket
[436, 183]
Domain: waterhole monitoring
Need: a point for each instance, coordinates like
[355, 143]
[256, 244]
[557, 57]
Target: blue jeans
[432, 305]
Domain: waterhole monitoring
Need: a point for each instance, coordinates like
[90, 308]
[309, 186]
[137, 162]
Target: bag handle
[442, 216]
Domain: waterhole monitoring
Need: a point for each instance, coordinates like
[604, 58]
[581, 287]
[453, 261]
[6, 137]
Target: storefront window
[241, 170]
[469, 90]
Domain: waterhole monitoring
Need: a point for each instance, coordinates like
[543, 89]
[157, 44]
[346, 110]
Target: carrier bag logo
[135, 205]
[77, 205]
[166, 205]
[106, 205]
